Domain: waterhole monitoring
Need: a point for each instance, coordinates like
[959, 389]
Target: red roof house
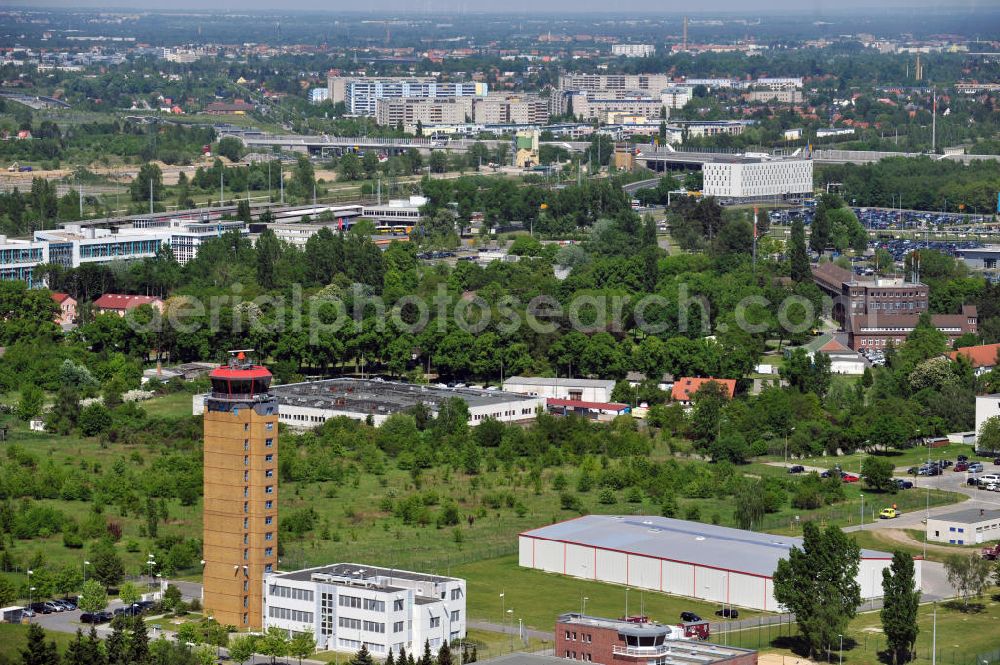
[119, 303]
[685, 387]
[67, 308]
[983, 357]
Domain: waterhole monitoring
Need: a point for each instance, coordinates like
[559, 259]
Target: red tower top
[240, 378]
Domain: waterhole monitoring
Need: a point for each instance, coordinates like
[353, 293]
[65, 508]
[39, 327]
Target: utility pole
[281, 178]
[150, 195]
[222, 187]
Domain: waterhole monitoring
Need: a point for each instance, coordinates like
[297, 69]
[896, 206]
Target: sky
[540, 6]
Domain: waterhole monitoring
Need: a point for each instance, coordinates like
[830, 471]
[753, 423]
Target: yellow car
[888, 513]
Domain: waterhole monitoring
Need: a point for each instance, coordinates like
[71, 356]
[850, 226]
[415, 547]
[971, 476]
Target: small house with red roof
[120, 303]
[983, 357]
[686, 386]
[67, 309]
[843, 359]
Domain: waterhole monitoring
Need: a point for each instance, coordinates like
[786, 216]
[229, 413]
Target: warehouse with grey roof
[712, 563]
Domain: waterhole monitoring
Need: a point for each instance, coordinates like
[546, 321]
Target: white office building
[347, 605]
[361, 94]
[586, 390]
[676, 96]
[18, 258]
[752, 178]
[633, 50]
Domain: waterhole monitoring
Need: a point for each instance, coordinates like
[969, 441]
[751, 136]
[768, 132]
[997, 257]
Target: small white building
[347, 605]
[962, 527]
[586, 390]
[987, 406]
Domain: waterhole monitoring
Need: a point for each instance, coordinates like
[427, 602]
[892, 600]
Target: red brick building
[639, 642]
[877, 311]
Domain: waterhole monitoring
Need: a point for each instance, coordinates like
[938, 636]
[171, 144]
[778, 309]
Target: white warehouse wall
[674, 577]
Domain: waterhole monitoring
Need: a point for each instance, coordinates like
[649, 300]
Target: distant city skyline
[526, 6]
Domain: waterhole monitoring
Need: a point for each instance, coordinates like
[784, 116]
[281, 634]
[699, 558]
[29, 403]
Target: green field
[13, 637]
[538, 598]
[963, 637]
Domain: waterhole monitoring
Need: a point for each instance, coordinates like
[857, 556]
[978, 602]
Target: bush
[570, 502]
[607, 496]
[95, 419]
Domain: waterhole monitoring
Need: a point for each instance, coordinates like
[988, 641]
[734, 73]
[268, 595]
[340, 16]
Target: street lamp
[583, 608]
[31, 590]
[150, 562]
[510, 615]
[841, 650]
[85, 564]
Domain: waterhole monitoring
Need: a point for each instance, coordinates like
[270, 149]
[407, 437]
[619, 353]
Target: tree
[968, 574]
[129, 595]
[751, 503]
[107, 566]
[349, 167]
[706, 416]
[818, 583]
[302, 645]
[438, 161]
[8, 593]
[30, 403]
[798, 256]
[149, 175]
[242, 648]
[362, 657]
[274, 643]
[269, 250]
[989, 434]
[900, 602]
[877, 472]
[85, 651]
[37, 651]
[93, 597]
[231, 148]
[444, 654]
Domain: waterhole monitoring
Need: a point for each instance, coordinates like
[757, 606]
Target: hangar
[712, 563]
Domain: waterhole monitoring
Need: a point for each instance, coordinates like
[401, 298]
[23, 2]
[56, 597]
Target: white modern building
[361, 94]
[676, 96]
[311, 403]
[347, 605]
[987, 406]
[712, 563]
[586, 390]
[650, 83]
[396, 213]
[18, 258]
[965, 526]
[633, 50]
[750, 178]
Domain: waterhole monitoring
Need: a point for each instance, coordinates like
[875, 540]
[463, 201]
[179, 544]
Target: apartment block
[426, 111]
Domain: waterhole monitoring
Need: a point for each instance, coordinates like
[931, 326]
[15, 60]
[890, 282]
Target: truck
[991, 553]
[695, 630]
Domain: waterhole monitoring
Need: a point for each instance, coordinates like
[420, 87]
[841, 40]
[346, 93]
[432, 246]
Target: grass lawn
[876, 539]
[538, 597]
[961, 636]
[13, 637]
[174, 405]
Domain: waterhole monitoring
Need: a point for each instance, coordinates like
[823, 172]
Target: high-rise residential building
[633, 50]
[651, 83]
[361, 94]
[511, 109]
[241, 491]
[424, 110]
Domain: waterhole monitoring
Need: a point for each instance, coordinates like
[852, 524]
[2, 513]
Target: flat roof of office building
[560, 381]
[708, 545]
[377, 396]
[968, 516]
[360, 573]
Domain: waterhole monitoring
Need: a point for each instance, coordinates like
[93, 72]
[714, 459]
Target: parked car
[96, 617]
[961, 466]
[849, 477]
[67, 605]
[727, 613]
[993, 487]
[797, 468]
[976, 467]
[27, 612]
[913, 471]
[996, 460]
[962, 458]
[888, 514]
[689, 616]
[904, 484]
[972, 480]
[41, 608]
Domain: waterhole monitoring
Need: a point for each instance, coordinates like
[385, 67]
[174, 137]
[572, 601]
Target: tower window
[246, 506]
[268, 505]
[269, 443]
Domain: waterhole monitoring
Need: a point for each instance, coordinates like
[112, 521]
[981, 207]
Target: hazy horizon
[646, 7]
